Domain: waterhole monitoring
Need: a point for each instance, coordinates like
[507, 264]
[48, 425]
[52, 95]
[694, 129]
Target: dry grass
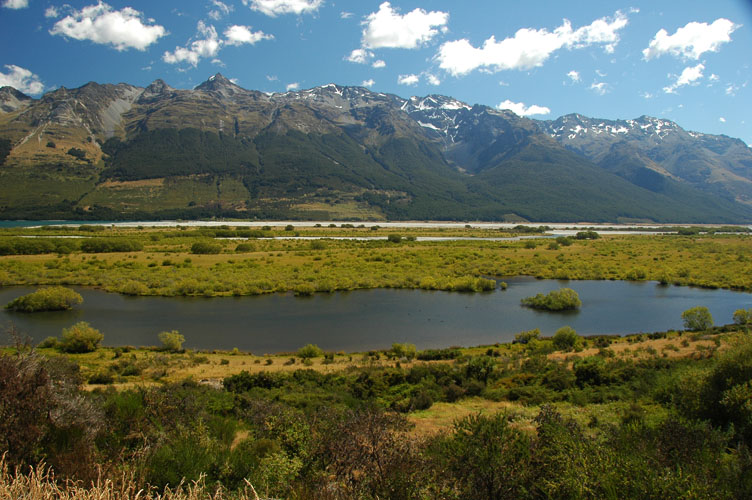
[40, 484]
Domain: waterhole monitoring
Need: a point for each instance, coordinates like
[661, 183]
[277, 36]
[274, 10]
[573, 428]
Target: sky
[686, 61]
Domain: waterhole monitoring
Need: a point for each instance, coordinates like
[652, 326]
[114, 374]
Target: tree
[171, 341]
[526, 336]
[394, 238]
[565, 338]
[697, 318]
[310, 351]
[743, 317]
[80, 338]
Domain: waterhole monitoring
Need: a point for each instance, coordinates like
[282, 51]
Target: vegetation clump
[206, 247]
[566, 339]
[557, 300]
[310, 351]
[80, 338]
[697, 318]
[171, 341]
[56, 298]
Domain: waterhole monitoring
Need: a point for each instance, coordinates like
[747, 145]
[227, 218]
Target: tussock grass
[39, 483]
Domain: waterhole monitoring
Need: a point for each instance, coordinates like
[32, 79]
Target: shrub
[557, 300]
[743, 317]
[526, 336]
[565, 338]
[244, 247]
[48, 343]
[56, 298]
[404, 350]
[80, 338]
[310, 351]
[206, 247]
[108, 245]
[587, 235]
[171, 341]
[697, 318]
[394, 238]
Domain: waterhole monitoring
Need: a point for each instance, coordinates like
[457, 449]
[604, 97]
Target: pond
[374, 319]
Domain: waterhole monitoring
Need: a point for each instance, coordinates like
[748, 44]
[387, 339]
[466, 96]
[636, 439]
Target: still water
[374, 319]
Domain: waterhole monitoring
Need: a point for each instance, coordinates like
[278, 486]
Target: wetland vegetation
[659, 415]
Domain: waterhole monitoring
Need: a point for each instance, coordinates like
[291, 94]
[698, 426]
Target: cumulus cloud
[692, 40]
[574, 76]
[359, 56]
[689, 76]
[207, 46]
[722, 119]
[378, 64]
[292, 86]
[275, 8]
[51, 12]
[219, 10]
[16, 4]
[520, 109]
[388, 29]
[408, 79]
[345, 15]
[367, 83]
[528, 48]
[238, 35]
[123, 29]
[21, 79]
[433, 79]
[600, 88]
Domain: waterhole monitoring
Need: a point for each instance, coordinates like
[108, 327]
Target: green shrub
[404, 350]
[394, 238]
[743, 317]
[48, 343]
[109, 245]
[244, 247]
[557, 300]
[310, 351]
[206, 247]
[56, 298]
[697, 318]
[171, 341]
[566, 338]
[80, 338]
[526, 336]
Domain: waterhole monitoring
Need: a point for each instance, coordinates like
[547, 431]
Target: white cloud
[292, 86]
[600, 88]
[520, 109]
[408, 79]
[272, 78]
[220, 10]
[378, 64]
[208, 46]
[574, 76]
[714, 78]
[51, 12]
[433, 79]
[345, 15]
[387, 29]
[16, 4]
[367, 83]
[722, 120]
[692, 40]
[275, 8]
[689, 76]
[238, 35]
[359, 56]
[21, 79]
[123, 29]
[647, 95]
[528, 48]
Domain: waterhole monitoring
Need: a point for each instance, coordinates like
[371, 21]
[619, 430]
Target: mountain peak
[11, 99]
[218, 83]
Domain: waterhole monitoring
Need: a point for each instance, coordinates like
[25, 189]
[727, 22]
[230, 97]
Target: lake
[374, 319]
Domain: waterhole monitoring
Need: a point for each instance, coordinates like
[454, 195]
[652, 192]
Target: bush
[108, 245]
[206, 247]
[394, 238]
[743, 317]
[526, 336]
[310, 351]
[48, 343]
[80, 338]
[244, 247]
[697, 318]
[171, 341]
[565, 338]
[557, 300]
[587, 235]
[404, 350]
[56, 298]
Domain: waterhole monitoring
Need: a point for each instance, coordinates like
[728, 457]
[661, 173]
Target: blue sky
[685, 61]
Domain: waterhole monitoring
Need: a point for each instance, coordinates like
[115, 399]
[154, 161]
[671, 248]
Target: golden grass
[39, 483]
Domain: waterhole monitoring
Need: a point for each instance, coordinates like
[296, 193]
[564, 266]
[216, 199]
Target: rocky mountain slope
[119, 151]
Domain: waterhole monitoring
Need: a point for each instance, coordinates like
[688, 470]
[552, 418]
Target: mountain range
[105, 151]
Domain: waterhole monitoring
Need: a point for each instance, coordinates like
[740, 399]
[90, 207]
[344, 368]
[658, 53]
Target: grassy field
[249, 266]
